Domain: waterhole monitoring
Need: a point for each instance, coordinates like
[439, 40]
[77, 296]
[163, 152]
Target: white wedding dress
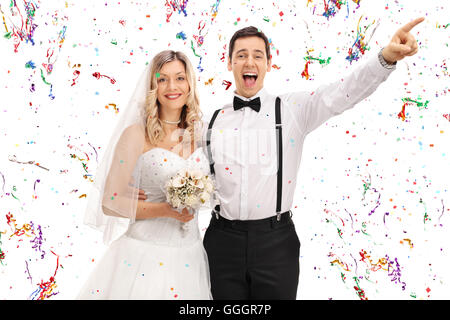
[156, 258]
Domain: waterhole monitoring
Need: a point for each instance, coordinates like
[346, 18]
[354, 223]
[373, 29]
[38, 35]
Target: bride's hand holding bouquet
[189, 190]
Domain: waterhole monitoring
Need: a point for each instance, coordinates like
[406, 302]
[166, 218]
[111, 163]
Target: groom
[254, 144]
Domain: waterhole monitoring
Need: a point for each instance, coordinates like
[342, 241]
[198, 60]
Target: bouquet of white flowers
[189, 188]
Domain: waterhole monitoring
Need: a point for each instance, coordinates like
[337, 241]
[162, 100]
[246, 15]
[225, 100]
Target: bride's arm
[121, 199]
[148, 210]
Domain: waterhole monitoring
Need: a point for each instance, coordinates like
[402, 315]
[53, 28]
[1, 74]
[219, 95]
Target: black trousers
[254, 259]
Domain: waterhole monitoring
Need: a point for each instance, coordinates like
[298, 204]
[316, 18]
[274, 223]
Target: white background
[407, 161]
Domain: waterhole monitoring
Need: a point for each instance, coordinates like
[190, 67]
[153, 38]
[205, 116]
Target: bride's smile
[173, 88]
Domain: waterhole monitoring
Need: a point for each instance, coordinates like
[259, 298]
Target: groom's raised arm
[314, 108]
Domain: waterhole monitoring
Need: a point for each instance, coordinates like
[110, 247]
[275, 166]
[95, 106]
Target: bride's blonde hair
[190, 115]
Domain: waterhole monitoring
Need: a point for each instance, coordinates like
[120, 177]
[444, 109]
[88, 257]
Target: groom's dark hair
[249, 32]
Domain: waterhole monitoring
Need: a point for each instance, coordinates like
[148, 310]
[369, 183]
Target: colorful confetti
[360, 46]
[371, 203]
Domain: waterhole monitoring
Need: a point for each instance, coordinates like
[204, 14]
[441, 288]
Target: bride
[155, 252]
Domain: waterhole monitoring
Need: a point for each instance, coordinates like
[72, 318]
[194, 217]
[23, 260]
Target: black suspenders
[280, 155]
[279, 152]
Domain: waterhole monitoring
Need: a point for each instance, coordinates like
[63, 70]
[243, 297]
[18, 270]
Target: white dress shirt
[243, 142]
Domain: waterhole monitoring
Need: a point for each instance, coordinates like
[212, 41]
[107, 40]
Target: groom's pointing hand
[402, 43]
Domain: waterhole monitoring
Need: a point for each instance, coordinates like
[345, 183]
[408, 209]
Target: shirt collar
[262, 93]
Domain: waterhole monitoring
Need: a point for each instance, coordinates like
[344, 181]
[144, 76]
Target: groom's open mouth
[250, 79]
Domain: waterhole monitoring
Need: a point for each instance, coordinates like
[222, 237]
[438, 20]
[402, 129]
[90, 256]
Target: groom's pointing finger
[407, 27]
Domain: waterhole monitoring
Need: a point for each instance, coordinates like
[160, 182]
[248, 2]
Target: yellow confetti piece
[411, 245]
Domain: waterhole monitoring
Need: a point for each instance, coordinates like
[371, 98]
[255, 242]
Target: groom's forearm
[334, 98]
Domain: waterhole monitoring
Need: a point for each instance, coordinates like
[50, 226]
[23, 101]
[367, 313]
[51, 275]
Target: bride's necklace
[171, 122]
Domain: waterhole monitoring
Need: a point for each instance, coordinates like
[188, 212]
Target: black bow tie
[255, 104]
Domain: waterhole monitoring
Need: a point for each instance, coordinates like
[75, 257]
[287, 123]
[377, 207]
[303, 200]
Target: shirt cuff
[384, 63]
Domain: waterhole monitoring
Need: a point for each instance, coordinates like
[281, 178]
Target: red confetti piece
[402, 114]
[305, 73]
[98, 75]
[227, 84]
[76, 74]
